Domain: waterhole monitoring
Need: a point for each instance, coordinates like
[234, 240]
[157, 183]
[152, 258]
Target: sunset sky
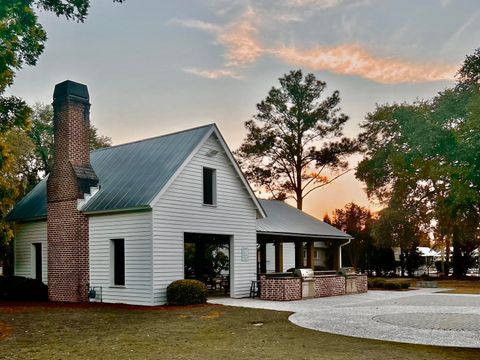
[154, 67]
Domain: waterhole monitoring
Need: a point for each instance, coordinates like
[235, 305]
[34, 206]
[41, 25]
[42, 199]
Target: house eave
[115, 211]
[316, 236]
[25, 220]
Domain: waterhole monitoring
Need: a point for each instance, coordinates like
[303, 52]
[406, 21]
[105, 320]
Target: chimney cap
[70, 88]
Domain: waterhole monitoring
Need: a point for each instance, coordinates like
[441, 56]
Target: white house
[117, 219]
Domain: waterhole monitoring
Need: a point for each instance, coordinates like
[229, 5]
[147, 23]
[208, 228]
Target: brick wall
[280, 289]
[68, 266]
[362, 283]
[329, 286]
[67, 228]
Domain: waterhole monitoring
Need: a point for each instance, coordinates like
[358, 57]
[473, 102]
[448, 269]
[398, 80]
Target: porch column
[298, 254]
[311, 254]
[337, 257]
[278, 256]
[263, 258]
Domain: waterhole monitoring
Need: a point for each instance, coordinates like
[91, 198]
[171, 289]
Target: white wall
[27, 234]
[180, 209]
[136, 229]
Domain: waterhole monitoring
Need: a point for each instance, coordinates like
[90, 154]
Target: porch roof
[284, 220]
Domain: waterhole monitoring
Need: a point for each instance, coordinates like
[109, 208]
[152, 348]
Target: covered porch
[289, 239]
[280, 253]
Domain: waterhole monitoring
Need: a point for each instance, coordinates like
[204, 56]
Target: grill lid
[347, 271]
[304, 273]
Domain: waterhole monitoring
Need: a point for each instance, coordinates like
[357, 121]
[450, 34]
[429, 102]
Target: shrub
[186, 292]
[21, 288]
[370, 283]
[378, 283]
[405, 285]
[393, 285]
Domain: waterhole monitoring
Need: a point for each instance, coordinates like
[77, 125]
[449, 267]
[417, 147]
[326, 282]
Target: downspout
[340, 252]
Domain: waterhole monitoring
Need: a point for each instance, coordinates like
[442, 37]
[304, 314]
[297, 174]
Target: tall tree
[432, 179]
[356, 221]
[294, 138]
[22, 41]
[14, 182]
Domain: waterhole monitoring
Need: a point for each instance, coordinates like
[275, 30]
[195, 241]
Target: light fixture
[212, 153]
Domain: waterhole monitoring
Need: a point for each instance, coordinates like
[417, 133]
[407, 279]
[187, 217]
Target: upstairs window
[209, 186]
[118, 262]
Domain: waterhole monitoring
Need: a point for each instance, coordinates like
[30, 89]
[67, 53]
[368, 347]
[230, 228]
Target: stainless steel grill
[308, 281]
[346, 271]
[305, 274]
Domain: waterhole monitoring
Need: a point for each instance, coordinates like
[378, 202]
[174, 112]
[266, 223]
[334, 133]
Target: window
[37, 261]
[118, 262]
[209, 186]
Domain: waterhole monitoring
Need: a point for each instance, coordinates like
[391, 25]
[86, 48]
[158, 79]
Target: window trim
[113, 264]
[214, 186]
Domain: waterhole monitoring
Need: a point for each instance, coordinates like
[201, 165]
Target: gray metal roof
[130, 175]
[283, 219]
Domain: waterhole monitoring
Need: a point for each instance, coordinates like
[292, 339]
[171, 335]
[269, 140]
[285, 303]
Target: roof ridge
[154, 137]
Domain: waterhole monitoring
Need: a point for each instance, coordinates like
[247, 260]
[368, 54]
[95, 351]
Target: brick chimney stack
[71, 177]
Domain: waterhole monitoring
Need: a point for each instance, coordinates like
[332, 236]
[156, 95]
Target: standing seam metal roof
[283, 219]
[130, 175]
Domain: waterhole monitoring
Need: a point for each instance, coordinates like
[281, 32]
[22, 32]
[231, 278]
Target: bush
[22, 288]
[405, 285]
[378, 283]
[186, 292]
[393, 285]
[370, 283]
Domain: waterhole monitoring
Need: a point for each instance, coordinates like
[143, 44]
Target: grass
[460, 286]
[99, 331]
[464, 286]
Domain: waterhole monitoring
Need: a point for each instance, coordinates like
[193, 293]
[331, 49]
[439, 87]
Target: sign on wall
[244, 254]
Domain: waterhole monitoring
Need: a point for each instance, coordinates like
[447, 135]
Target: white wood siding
[136, 229]
[180, 210]
[27, 234]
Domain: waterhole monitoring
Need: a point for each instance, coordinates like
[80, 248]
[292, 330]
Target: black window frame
[209, 181]
[38, 260]
[118, 262]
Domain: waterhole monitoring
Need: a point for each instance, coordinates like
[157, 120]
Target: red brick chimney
[71, 177]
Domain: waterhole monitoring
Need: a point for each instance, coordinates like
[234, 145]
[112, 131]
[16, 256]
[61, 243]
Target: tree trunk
[402, 263]
[299, 202]
[447, 257]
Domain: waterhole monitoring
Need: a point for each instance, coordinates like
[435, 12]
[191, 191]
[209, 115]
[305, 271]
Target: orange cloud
[354, 60]
[241, 46]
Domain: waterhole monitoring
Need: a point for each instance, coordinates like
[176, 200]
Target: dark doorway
[38, 260]
[207, 259]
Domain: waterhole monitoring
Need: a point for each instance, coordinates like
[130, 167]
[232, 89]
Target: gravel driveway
[421, 316]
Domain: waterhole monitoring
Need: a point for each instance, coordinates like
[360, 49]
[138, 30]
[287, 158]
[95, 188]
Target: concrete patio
[422, 316]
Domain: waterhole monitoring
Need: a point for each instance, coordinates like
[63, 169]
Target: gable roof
[131, 175]
[283, 219]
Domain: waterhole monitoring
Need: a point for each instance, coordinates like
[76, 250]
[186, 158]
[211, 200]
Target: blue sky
[153, 67]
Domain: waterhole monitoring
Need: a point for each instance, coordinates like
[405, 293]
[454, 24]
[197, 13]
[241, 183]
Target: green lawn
[207, 332]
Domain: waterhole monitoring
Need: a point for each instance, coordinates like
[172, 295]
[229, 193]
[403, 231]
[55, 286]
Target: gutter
[340, 252]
